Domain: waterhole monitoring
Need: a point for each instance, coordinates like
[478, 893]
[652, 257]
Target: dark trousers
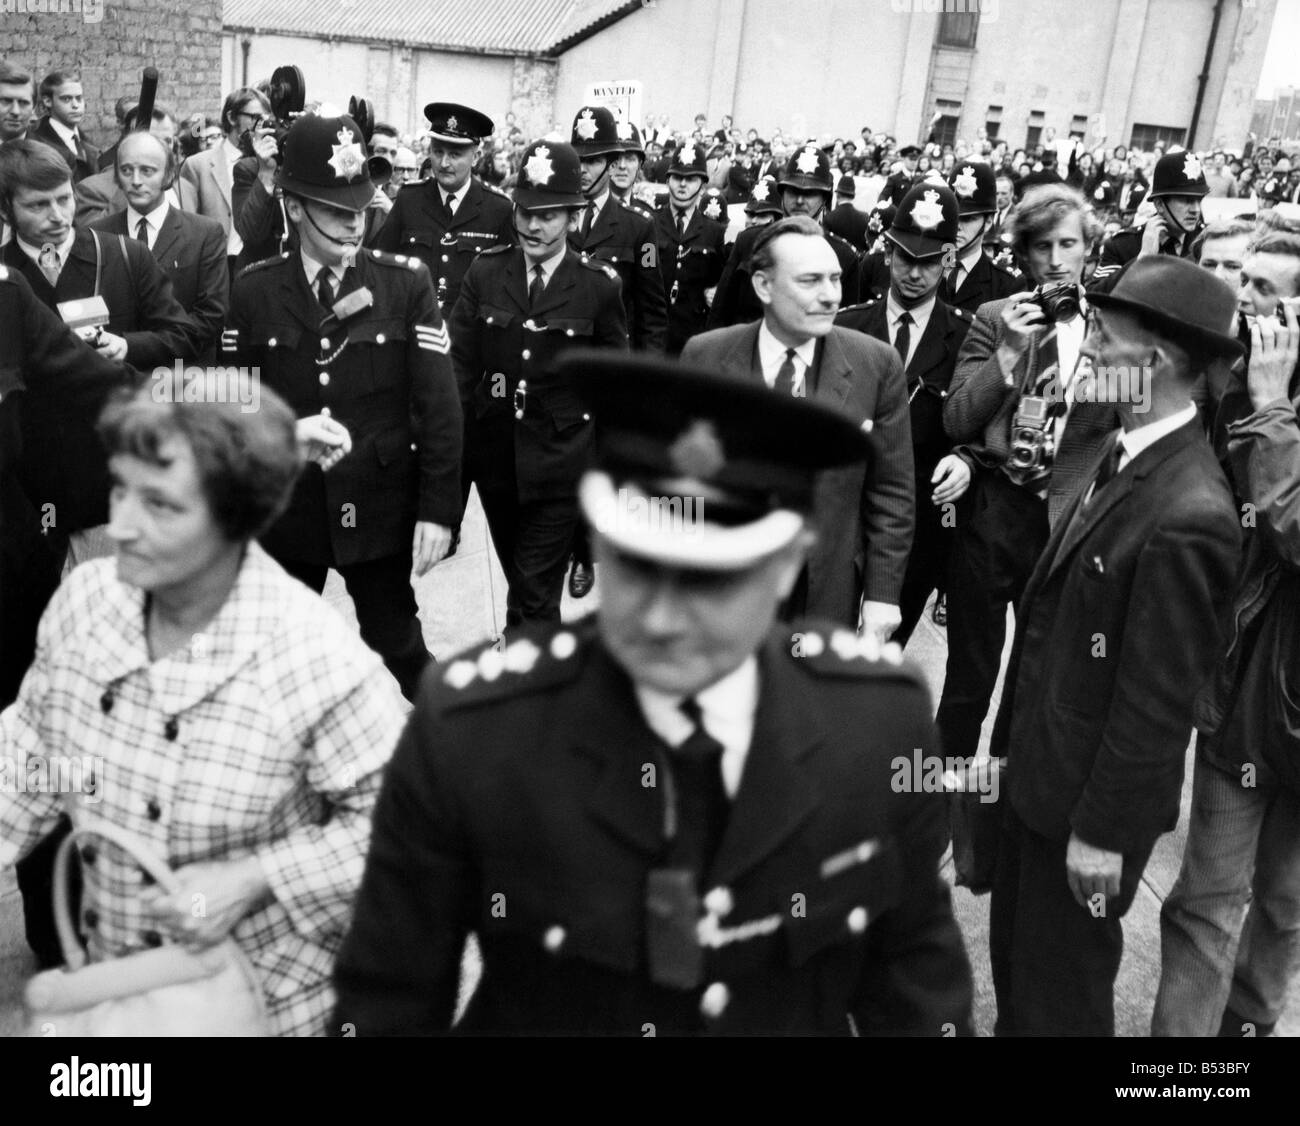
[1001, 531]
[533, 542]
[927, 565]
[1054, 962]
[386, 611]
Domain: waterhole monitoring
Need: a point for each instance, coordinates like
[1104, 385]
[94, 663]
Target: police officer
[625, 168]
[975, 277]
[691, 247]
[527, 434]
[763, 206]
[806, 189]
[611, 232]
[355, 335]
[898, 183]
[448, 219]
[927, 334]
[649, 820]
[1177, 187]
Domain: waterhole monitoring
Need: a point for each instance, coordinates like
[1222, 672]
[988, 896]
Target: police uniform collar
[548, 265]
[312, 269]
[920, 313]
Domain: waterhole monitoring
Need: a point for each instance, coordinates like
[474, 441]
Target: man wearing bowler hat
[354, 334]
[676, 817]
[1118, 628]
[450, 218]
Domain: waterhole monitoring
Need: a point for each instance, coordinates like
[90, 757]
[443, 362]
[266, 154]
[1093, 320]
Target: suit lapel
[933, 345]
[832, 371]
[169, 236]
[13, 257]
[556, 291]
[297, 296]
[742, 361]
[604, 226]
[467, 212]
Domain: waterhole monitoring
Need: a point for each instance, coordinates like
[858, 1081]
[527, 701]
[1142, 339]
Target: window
[1146, 137]
[1034, 133]
[993, 122]
[945, 129]
[1079, 126]
[958, 29]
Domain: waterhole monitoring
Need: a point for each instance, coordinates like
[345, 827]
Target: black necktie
[535, 288]
[681, 225]
[324, 290]
[587, 217]
[903, 337]
[702, 804]
[142, 231]
[1109, 467]
[784, 384]
[447, 206]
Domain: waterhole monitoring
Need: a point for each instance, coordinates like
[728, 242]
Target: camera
[1032, 440]
[1058, 302]
[287, 95]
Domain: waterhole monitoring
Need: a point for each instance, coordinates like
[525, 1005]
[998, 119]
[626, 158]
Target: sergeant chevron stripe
[433, 339]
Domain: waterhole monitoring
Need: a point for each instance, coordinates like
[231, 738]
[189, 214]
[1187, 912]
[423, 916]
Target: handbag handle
[133, 846]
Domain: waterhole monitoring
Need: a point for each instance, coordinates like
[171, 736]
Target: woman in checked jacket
[236, 724]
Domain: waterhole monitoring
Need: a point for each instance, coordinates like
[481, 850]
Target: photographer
[1011, 405]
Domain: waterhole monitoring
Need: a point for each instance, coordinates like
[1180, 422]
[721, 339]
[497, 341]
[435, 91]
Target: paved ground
[463, 601]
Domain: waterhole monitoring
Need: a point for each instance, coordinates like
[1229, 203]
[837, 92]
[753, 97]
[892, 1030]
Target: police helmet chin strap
[349, 249]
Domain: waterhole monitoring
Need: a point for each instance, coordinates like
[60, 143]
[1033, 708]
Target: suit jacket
[499, 340]
[99, 196]
[385, 376]
[526, 791]
[209, 173]
[191, 251]
[986, 281]
[864, 513]
[84, 163]
[850, 224]
[1097, 709]
[418, 225]
[625, 240]
[690, 266]
[980, 406]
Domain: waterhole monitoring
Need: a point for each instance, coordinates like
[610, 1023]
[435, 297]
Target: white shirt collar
[920, 314]
[63, 249]
[69, 135]
[313, 269]
[688, 213]
[727, 710]
[1143, 437]
[155, 219]
[549, 266]
[453, 199]
[600, 202]
[771, 355]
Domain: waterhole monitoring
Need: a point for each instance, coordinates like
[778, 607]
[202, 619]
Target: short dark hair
[235, 100]
[762, 258]
[57, 78]
[386, 129]
[31, 165]
[11, 75]
[160, 113]
[248, 461]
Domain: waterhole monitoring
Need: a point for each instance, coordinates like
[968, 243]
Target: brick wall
[111, 42]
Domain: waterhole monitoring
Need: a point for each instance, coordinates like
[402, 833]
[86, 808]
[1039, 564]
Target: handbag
[975, 821]
[166, 991]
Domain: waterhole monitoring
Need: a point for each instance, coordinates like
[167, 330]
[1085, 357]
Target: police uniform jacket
[62, 464]
[418, 225]
[898, 184]
[850, 224]
[1123, 247]
[689, 266]
[503, 816]
[736, 302]
[503, 352]
[625, 240]
[385, 375]
[986, 281]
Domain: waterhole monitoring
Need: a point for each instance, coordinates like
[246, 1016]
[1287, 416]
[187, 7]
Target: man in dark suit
[449, 219]
[1104, 671]
[927, 336]
[610, 232]
[864, 519]
[692, 247]
[356, 335]
[60, 128]
[190, 249]
[806, 188]
[845, 219]
[1017, 363]
[975, 278]
[101, 194]
[527, 435]
[676, 819]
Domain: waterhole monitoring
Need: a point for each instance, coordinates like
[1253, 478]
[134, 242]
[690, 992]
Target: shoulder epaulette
[500, 248]
[264, 263]
[4, 274]
[841, 652]
[494, 189]
[961, 314]
[526, 664]
[855, 308]
[599, 266]
[396, 261]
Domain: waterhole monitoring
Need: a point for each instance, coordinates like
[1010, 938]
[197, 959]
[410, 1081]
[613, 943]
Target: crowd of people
[235, 356]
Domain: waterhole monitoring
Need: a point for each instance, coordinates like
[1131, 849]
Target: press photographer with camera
[1011, 406]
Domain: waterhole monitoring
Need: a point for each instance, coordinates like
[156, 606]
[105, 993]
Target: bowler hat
[1175, 298]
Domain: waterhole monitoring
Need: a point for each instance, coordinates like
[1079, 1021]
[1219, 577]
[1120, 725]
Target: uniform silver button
[525, 355]
[568, 332]
[715, 1000]
[554, 939]
[412, 447]
[324, 341]
[379, 338]
[444, 258]
[324, 379]
[271, 342]
[325, 411]
[858, 920]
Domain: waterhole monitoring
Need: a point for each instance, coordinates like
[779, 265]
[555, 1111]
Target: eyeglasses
[404, 170]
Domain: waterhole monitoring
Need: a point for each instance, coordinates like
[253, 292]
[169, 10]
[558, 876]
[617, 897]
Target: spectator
[65, 107]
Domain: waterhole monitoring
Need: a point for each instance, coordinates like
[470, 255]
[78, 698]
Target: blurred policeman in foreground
[649, 819]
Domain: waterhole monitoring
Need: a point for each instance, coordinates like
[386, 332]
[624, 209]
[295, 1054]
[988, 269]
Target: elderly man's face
[681, 630]
[1117, 343]
[800, 293]
[161, 521]
[1224, 257]
[1059, 254]
[142, 171]
[451, 164]
[1265, 280]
